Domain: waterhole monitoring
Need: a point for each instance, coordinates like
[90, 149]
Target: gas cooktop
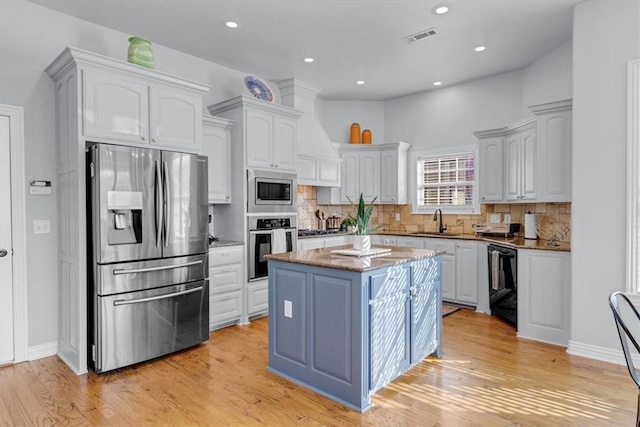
[310, 232]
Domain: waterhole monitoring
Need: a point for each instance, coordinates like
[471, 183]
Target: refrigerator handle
[167, 207]
[159, 204]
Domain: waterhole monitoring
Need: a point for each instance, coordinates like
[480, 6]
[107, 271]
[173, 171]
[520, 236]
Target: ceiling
[350, 39]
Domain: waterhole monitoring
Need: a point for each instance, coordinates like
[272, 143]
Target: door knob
[3, 253]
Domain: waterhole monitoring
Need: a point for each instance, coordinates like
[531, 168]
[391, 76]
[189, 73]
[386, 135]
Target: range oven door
[260, 245]
[138, 326]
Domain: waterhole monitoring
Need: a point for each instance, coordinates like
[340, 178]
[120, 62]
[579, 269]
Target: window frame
[633, 179]
[416, 156]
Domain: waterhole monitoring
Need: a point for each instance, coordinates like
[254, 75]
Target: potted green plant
[361, 240]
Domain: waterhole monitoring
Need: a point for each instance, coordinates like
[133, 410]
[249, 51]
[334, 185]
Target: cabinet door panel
[349, 189]
[389, 338]
[389, 176]
[257, 298]
[512, 168]
[216, 145]
[224, 309]
[467, 272]
[284, 143]
[424, 318]
[175, 119]
[528, 164]
[491, 170]
[116, 107]
[448, 277]
[259, 134]
[369, 175]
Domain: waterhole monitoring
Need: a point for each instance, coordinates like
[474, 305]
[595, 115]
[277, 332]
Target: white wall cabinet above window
[135, 110]
[376, 171]
[529, 160]
[216, 145]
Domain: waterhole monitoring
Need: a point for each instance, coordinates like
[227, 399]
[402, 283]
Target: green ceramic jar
[140, 52]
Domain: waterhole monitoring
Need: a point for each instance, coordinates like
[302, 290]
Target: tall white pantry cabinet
[103, 100]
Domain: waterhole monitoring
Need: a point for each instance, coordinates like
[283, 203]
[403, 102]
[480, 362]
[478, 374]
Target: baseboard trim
[603, 354]
[43, 350]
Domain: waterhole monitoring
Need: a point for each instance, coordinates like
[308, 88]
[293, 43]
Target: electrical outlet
[494, 218]
[288, 309]
[397, 217]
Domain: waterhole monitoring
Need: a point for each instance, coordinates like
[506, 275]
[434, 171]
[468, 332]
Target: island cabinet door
[390, 321]
[426, 309]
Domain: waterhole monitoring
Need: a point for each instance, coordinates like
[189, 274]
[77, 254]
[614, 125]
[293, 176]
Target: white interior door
[6, 267]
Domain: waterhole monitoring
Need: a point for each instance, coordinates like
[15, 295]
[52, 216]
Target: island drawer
[389, 282]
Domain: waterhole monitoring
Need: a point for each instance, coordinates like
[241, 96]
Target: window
[446, 179]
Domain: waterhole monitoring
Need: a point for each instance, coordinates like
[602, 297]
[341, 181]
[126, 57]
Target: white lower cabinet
[467, 272]
[226, 275]
[257, 299]
[544, 290]
[410, 242]
[448, 265]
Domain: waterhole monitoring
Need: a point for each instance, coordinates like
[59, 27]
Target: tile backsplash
[551, 216]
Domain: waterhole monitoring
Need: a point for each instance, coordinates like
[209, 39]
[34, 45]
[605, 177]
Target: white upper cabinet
[554, 150]
[529, 160]
[491, 168]
[393, 174]
[121, 107]
[270, 140]
[264, 134]
[216, 145]
[373, 170]
[520, 168]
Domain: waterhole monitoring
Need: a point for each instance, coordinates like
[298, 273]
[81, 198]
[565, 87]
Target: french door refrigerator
[148, 287]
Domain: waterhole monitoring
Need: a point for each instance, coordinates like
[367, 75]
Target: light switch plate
[41, 226]
[397, 217]
[507, 218]
[494, 218]
[288, 309]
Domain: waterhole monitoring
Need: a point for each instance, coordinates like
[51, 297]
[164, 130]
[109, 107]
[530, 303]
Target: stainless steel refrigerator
[148, 286]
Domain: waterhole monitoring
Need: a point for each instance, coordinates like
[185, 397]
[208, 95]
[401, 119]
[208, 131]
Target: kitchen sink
[433, 234]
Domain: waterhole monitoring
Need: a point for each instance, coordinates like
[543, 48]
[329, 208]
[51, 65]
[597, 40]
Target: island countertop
[324, 258]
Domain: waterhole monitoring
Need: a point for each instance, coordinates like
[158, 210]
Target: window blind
[446, 180]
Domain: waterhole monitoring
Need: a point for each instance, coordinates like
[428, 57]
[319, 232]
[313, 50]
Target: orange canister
[366, 136]
[355, 133]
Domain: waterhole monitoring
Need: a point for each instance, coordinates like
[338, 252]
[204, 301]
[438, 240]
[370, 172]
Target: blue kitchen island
[346, 326]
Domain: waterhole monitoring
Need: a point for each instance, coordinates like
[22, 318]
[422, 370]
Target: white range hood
[318, 160]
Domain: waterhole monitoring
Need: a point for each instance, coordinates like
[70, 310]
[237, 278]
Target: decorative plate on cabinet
[258, 88]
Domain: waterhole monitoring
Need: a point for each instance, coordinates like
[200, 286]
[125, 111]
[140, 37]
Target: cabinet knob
[144, 138]
[155, 139]
[227, 197]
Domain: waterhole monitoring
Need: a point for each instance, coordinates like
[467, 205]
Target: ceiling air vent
[421, 35]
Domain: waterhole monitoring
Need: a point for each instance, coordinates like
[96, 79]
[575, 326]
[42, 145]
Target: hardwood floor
[487, 377]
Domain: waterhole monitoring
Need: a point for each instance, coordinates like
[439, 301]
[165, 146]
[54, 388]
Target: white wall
[337, 117]
[447, 116]
[549, 78]
[605, 37]
[30, 38]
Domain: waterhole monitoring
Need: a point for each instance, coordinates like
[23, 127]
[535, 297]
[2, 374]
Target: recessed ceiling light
[437, 83]
[360, 82]
[308, 59]
[479, 48]
[440, 10]
[231, 24]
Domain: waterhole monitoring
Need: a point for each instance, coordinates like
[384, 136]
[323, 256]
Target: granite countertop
[324, 258]
[518, 242]
[223, 243]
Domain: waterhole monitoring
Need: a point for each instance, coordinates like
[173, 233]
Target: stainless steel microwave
[269, 191]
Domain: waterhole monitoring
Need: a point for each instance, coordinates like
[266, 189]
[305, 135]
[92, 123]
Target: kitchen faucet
[441, 227]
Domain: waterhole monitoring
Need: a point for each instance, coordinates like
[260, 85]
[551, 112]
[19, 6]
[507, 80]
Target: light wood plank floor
[487, 377]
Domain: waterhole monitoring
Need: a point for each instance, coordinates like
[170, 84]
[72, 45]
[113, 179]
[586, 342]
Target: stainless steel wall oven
[267, 234]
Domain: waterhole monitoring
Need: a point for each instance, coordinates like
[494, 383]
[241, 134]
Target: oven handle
[151, 269]
[174, 294]
[270, 230]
